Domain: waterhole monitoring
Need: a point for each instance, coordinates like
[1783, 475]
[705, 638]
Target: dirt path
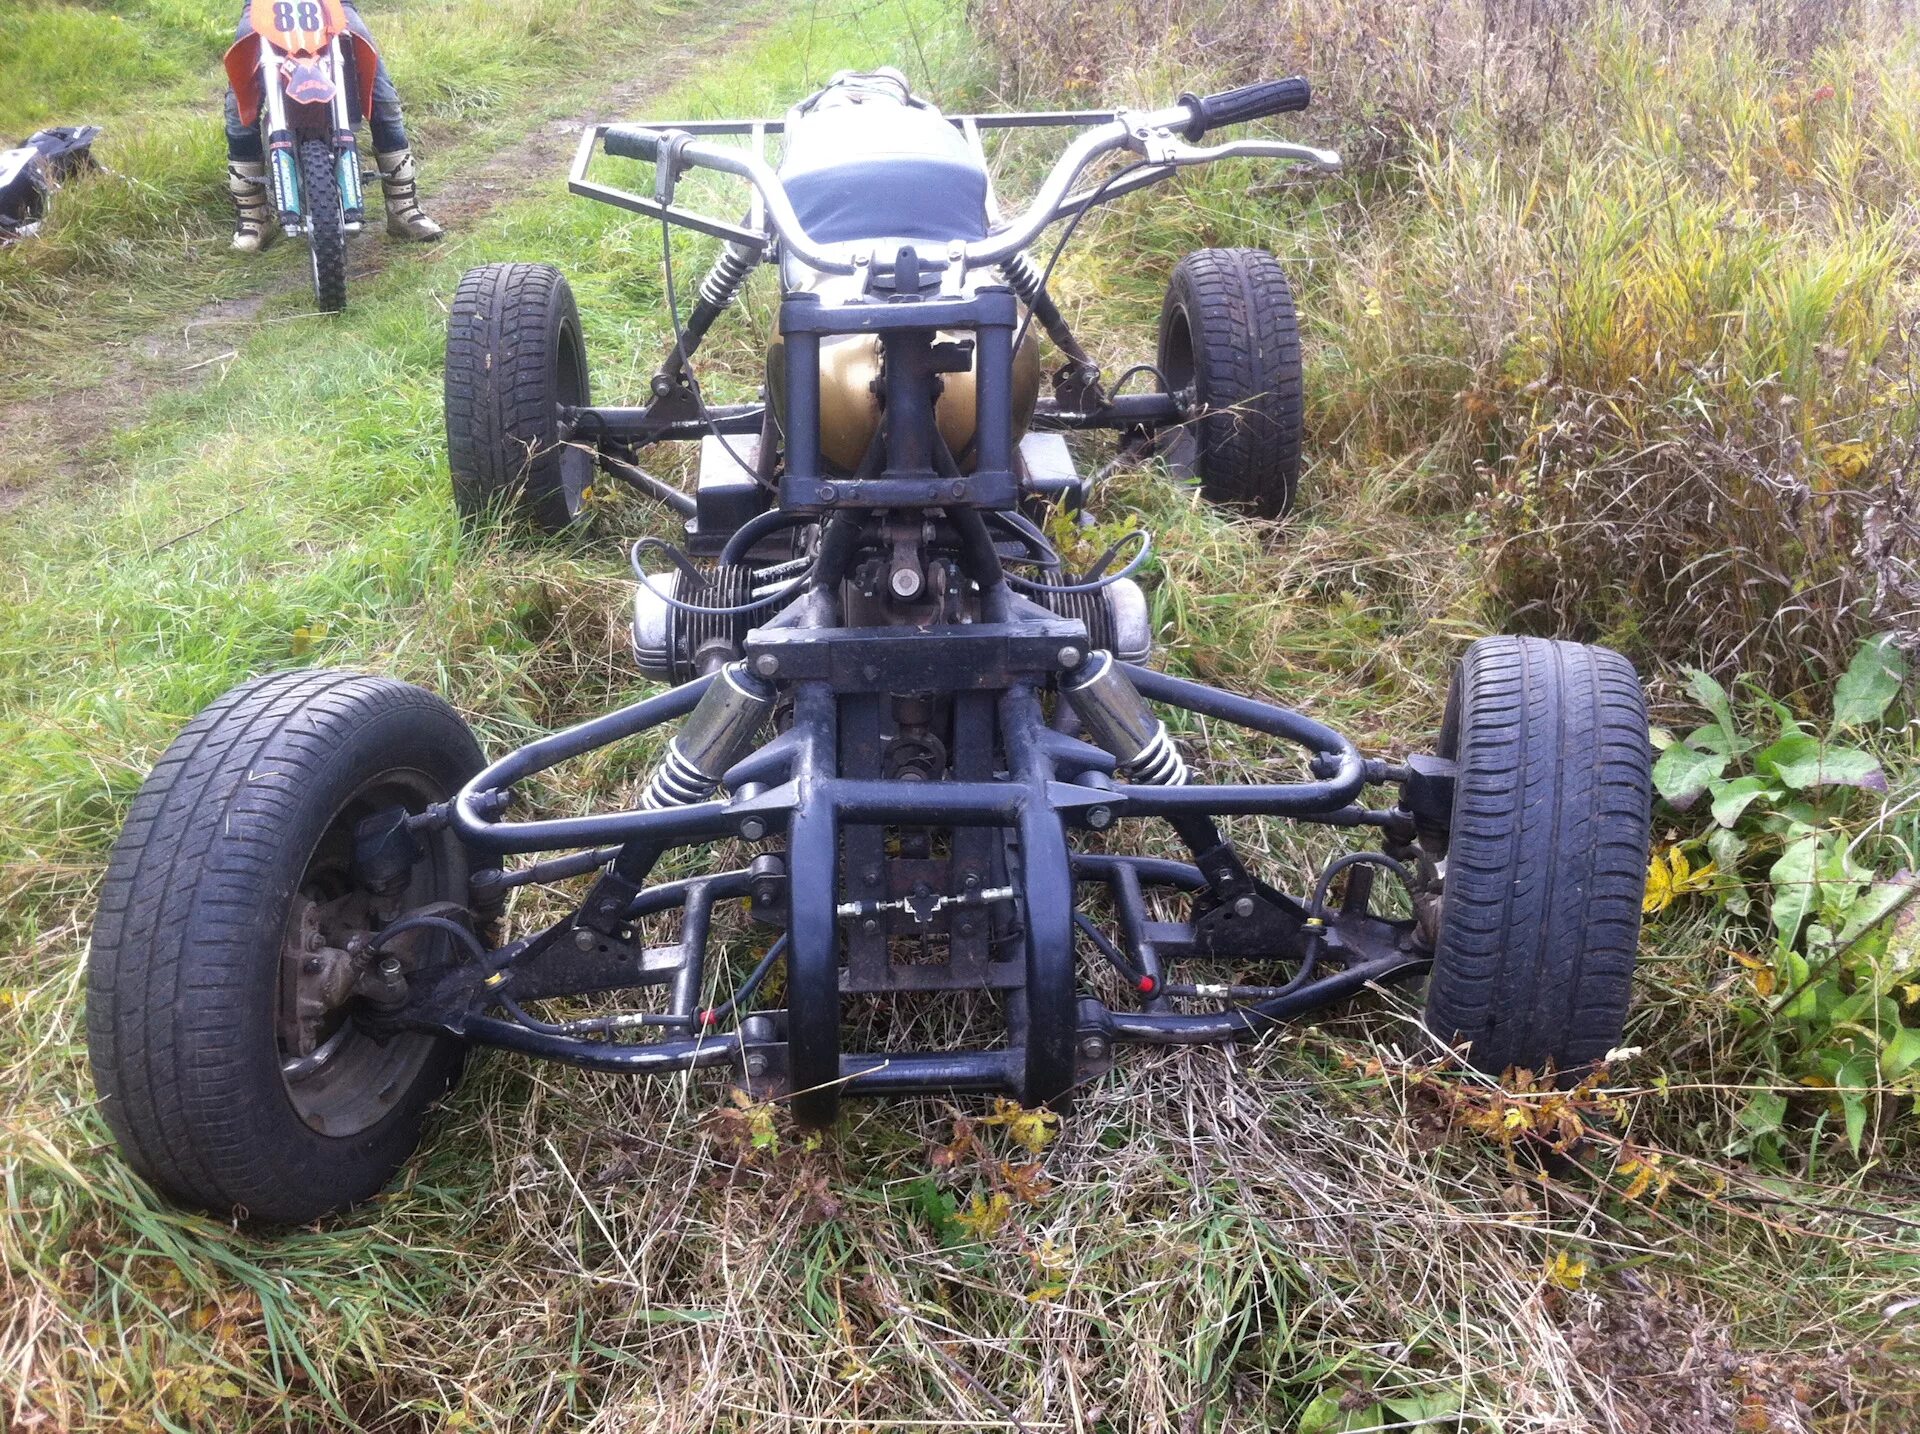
[52, 439]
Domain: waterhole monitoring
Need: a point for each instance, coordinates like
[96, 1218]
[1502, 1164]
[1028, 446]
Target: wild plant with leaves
[1798, 852]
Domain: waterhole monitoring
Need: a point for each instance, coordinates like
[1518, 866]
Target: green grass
[1226, 1239]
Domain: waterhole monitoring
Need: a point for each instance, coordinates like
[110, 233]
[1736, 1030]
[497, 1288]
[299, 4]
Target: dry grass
[1631, 283]
[1309, 1233]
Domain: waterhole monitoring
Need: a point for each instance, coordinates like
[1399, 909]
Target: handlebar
[1249, 102]
[1154, 135]
[628, 142]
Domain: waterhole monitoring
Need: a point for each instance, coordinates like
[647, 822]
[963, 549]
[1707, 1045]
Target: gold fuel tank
[850, 387]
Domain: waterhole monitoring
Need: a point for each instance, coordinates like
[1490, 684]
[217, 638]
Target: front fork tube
[346, 155]
[282, 163]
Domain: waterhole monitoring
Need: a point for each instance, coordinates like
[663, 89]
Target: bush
[1618, 281]
[1801, 855]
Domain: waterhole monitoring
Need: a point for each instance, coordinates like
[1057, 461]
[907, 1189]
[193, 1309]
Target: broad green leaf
[1900, 1052]
[1795, 974]
[1683, 772]
[1791, 746]
[1872, 907]
[1795, 892]
[1727, 848]
[1425, 1408]
[1831, 767]
[1764, 1112]
[1712, 696]
[1869, 684]
[1733, 798]
[1325, 1415]
[1856, 1075]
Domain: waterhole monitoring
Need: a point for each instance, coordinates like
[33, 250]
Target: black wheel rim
[351, 1081]
[576, 460]
[1176, 352]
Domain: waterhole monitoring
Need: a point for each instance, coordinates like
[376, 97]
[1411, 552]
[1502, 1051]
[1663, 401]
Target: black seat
[878, 169]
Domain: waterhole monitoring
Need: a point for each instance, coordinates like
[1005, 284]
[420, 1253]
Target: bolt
[828, 492]
[1068, 657]
[583, 940]
[753, 829]
[390, 967]
[958, 489]
[767, 665]
[312, 965]
[905, 582]
[1243, 906]
[871, 876]
[970, 880]
[1093, 1048]
[965, 928]
[1100, 818]
[661, 385]
[870, 925]
[756, 1064]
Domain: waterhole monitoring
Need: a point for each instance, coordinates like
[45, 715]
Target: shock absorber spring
[1022, 274]
[717, 733]
[1117, 717]
[730, 269]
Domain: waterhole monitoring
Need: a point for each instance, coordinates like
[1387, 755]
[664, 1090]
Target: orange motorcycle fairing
[299, 29]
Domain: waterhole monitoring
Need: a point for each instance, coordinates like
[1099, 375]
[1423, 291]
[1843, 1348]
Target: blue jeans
[389, 134]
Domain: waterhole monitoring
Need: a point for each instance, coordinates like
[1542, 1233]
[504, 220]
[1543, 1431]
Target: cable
[686, 358]
[1154, 369]
[591, 1026]
[714, 1014]
[1072, 224]
[1318, 906]
[437, 923]
[639, 575]
[1028, 585]
[756, 528]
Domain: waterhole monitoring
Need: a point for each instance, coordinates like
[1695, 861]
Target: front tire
[237, 851]
[326, 224]
[1546, 855]
[515, 358]
[1228, 333]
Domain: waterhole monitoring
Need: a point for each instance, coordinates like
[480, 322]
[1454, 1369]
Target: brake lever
[1326, 159]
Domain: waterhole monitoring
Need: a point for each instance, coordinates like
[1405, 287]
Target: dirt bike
[299, 934]
[303, 76]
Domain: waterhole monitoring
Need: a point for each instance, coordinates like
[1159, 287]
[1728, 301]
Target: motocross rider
[253, 229]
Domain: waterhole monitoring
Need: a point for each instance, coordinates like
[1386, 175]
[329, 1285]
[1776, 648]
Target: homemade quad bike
[300, 930]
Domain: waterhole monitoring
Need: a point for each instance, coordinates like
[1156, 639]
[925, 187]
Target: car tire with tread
[1546, 855]
[514, 358]
[183, 974]
[1228, 332]
[326, 224]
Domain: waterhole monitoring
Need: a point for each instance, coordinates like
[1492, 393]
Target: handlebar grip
[624, 142]
[1249, 102]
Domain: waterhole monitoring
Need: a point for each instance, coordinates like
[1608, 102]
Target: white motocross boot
[253, 226]
[399, 181]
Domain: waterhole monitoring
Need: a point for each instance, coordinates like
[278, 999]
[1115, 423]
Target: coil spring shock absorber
[717, 733]
[730, 269]
[1025, 279]
[1117, 718]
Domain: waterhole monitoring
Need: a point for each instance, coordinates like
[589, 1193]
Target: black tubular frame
[975, 859]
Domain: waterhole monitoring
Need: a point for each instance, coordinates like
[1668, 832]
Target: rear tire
[1546, 855]
[229, 849]
[326, 224]
[514, 358]
[1228, 332]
